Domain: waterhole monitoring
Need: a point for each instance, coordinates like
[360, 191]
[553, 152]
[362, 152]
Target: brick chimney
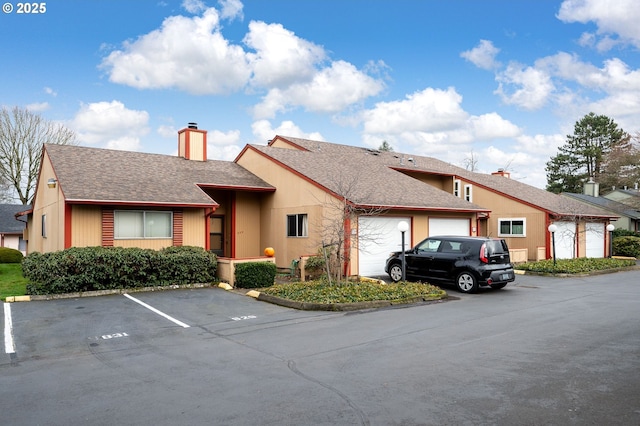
[192, 143]
[502, 172]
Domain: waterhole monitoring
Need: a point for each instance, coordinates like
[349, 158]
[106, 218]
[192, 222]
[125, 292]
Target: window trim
[302, 227]
[511, 220]
[43, 225]
[456, 187]
[144, 225]
[468, 193]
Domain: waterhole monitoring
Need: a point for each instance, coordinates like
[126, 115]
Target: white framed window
[129, 224]
[468, 193]
[456, 188]
[516, 227]
[297, 225]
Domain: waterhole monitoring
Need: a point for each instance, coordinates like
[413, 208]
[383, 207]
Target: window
[297, 225]
[142, 224]
[467, 193]
[512, 227]
[456, 187]
[44, 225]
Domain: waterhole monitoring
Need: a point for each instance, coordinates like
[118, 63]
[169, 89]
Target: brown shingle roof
[354, 174]
[552, 203]
[104, 175]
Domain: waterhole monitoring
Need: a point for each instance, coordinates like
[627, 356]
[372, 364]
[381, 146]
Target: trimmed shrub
[9, 255]
[626, 246]
[255, 274]
[102, 268]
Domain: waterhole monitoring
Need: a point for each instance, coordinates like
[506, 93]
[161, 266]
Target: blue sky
[503, 81]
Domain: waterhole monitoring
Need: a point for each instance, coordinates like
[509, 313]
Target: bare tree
[22, 136]
[337, 221]
[471, 162]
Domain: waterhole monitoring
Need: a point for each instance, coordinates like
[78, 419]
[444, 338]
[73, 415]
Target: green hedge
[9, 255]
[626, 246]
[255, 274]
[103, 268]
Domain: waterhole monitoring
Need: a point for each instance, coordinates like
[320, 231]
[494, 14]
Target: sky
[499, 82]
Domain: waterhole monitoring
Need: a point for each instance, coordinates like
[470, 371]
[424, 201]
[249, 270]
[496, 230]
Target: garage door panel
[439, 226]
[594, 235]
[378, 236]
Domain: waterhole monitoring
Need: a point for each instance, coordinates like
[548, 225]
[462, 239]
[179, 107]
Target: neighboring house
[629, 217]
[630, 197]
[286, 195]
[11, 228]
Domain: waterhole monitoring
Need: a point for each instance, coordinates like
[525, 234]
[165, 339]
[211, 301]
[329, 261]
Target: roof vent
[192, 125]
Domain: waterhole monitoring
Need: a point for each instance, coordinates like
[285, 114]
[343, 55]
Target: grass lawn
[12, 283]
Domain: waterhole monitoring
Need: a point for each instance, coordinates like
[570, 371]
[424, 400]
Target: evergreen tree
[582, 156]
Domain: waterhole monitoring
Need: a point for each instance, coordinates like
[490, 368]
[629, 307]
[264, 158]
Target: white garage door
[565, 240]
[449, 227]
[379, 236]
[595, 239]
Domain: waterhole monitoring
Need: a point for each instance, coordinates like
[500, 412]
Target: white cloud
[483, 55]
[429, 110]
[491, 126]
[167, 131]
[50, 91]
[185, 53]
[231, 9]
[281, 57]
[525, 87]
[264, 131]
[330, 90]
[432, 123]
[38, 107]
[617, 21]
[194, 6]
[110, 124]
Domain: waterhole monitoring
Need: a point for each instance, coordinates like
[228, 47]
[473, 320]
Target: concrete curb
[337, 307]
[102, 292]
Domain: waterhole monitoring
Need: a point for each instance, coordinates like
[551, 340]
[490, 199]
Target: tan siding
[50, 202]
[86, 226]
[506, 208]
[193, 227]
[294, 195]
[196, 146]
[247, 225]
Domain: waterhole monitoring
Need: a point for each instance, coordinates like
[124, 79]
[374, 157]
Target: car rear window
[497, 247]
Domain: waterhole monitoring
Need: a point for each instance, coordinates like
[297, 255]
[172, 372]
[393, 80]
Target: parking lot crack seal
[363, 418]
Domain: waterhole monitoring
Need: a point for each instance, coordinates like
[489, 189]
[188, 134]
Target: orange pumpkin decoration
[269, 251]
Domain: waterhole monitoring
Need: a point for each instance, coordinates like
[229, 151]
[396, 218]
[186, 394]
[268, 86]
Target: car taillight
[483, 254]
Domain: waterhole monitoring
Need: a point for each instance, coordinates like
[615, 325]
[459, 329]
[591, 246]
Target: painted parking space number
[244, 317]
[113, 336]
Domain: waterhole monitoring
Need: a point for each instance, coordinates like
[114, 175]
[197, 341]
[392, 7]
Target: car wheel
[395, 272]
[467, 283]
[499, 286]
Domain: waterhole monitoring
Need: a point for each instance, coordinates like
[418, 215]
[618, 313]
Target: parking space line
[9, 345]
[151, 308]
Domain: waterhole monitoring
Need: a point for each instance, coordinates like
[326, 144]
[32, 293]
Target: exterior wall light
[51, 183]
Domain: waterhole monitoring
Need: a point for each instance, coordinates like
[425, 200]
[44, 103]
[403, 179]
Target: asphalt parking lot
[544, 350]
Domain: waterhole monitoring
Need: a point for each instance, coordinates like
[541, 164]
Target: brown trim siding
[107, 227]
[178, 226]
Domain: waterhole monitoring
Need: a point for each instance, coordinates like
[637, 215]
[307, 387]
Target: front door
[216, 235]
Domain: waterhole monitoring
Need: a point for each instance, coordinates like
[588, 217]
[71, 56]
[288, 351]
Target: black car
[467, 262]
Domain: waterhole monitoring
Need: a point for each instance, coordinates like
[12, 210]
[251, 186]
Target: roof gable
[355, 175]
[111, 176]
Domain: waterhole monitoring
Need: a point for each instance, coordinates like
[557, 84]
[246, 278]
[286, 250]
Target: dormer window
[456, 188]
[468, 194]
